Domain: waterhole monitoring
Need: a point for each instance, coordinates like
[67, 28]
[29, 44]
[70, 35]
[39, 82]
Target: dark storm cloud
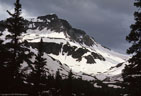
[107, 21]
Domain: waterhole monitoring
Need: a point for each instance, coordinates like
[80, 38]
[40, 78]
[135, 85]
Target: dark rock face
[117, 66]
[53, 23]
[97, 56]
[79, 52]
[76, 53]
[50, 48]
[90, 59]
[68, 49]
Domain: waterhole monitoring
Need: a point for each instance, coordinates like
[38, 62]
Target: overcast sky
[107, 21]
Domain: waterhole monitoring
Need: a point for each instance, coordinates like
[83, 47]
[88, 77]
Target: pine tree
[69, 83]
[2, 64]
[18, 50]
[58, 80]
[1, 52]
[132, 72]
[39, 73]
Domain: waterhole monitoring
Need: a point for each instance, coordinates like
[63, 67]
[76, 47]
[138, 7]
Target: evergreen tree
[69, 83]
[39, 73]
[2, 50]
[2, 64]
[18, 50]
[58, 80]
[132, 72]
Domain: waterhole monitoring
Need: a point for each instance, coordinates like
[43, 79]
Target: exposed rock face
[52, 22]
[76, 53]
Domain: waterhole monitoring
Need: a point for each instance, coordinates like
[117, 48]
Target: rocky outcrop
[76, 53]
[53, 23]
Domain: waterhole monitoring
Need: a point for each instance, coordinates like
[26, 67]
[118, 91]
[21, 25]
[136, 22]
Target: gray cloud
[107, 21]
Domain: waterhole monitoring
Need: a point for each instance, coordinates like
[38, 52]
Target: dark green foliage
[15, 52]
[58, 79]
[40, 62]
[78, 87]
[18, 50]
[58, 84]
[38, 75]
[3, 63]
[132, 72]
[68, 88]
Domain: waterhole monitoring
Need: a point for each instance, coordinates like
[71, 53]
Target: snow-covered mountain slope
[53, 66]
[71, 47]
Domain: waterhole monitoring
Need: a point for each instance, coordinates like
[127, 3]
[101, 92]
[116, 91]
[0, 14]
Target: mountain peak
[51, 17]
[70, 46]
[55, 24]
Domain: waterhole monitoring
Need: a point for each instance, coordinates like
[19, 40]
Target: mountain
[67, 48]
